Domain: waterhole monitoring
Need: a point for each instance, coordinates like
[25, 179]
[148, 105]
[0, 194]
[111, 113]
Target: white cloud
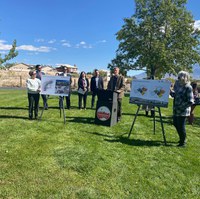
[39, 40]
[197, 24]
[4, 46]
[102, 41]
[52, 41]
[35, 49]
[82, 43]
[3, 52]
[66, 44]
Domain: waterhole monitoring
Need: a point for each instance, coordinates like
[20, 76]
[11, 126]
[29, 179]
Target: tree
[12, 53]
[159, 38]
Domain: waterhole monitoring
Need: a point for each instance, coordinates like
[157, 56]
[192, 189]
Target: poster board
[150, 92]
[55, 85]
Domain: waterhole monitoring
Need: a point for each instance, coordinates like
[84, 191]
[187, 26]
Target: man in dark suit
[95, 85]
[117, 84]
[39, 75]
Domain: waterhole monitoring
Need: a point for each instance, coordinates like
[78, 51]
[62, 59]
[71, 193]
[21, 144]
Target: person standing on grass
[39, 75]
[83, 86]
[117, 84]
[65, 73]
[33, 85]
[95, 85]
[196, 94]
[183, 99]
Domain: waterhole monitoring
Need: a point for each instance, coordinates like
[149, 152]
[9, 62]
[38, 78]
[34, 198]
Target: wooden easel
[163, 132]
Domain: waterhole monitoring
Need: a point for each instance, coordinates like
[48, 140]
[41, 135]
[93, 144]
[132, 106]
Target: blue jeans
[179, 123]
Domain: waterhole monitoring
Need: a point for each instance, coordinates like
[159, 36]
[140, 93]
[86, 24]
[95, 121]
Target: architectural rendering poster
[55, 85]
[150, 92]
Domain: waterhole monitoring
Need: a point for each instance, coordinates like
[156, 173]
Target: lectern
[106, 109]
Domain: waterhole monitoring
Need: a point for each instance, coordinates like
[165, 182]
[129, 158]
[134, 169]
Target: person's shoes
[181, 145]
[46, 108]
[118, 119]
[146, 113]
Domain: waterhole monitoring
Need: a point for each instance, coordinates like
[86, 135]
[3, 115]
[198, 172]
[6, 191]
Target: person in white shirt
[33, 89]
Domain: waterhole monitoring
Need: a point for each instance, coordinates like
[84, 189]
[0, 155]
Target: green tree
[12, 53]
[159, 38]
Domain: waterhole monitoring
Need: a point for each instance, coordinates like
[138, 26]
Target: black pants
[82, 98]
[94, 93]
[33, 104]
[119, 112]
[61, 101]
[44, 97]
[179, 123]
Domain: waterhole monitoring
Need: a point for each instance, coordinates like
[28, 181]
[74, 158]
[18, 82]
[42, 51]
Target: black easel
[62, 110]
[163, 132]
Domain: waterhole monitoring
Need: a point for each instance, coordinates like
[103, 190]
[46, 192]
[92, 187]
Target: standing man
[65, 72]
[117, 84]
[39, 75]
[95, 85]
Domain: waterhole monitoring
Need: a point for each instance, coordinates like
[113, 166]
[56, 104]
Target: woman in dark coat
[83, 86]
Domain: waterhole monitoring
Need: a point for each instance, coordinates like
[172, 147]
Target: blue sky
[80, 32]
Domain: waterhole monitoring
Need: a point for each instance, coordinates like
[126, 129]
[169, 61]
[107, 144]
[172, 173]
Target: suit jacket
[93, 86]
[119, 87]
[39, 74]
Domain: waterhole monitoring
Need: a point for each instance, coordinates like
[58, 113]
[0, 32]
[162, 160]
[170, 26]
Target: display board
[150, 92]
[55, 85]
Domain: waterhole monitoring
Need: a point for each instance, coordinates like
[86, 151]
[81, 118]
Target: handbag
[81, 91]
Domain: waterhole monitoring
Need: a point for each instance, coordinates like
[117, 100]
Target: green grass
[47, 159]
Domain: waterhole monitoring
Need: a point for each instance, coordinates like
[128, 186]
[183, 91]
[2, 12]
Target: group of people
[183, 92]
[116, 84]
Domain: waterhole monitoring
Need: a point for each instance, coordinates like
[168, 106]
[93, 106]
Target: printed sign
[103, 113]
[150, 92]
[55, 85]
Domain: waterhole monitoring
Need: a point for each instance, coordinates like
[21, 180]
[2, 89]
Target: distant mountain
[195, 74]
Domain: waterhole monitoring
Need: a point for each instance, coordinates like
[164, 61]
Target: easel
[61, 105]
[163, 132]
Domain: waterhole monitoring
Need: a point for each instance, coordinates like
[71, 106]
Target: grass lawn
[47, 159]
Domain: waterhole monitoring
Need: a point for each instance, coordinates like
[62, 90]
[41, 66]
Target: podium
[106, 109]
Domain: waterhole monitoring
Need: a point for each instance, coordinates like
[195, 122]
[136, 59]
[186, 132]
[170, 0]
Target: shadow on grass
[13, 108]
[132, 142]
[13, 116]
[88, 120]
[135, 142]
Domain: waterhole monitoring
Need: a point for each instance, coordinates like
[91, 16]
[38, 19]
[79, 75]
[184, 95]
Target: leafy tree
[12, 53]
[159, 38]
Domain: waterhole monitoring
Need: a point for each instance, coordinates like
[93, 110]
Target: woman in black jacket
[83, 85]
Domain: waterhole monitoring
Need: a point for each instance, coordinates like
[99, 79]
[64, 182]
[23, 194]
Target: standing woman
[196, 94]
[183, 99]
[33, 88]
[83, 85]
